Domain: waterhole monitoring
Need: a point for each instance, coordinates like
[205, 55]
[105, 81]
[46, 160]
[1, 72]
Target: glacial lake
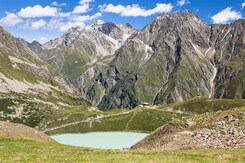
[101, 140]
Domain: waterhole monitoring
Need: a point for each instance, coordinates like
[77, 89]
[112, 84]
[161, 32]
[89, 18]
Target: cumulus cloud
[225, 16]
[11, 19]
[135, 10]
[85, 1]
[50, 17]
[85, 18]
[37, 11]
[81, 8]
[63, 25]
[243, 5]
[182, 2]
[64, 14]
[56, 4]
[38, 24]
[41, 40]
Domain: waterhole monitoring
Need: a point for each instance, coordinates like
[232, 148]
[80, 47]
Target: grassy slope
[140, 119]
[202, 105]
[30, 151]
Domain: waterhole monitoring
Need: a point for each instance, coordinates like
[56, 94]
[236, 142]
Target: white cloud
[135, 10]
[63, 25]
[243, 5]
[85, 18]
[10, 19]
[182, 2]
[85, 1]
[38, 24]
[56, 4]
[81, 8]
[226, 15]
[37, 11]
[64, 14]
[42, 40]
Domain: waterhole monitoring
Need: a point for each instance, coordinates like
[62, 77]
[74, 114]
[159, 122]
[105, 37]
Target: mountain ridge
[174, 58]
[30, 89]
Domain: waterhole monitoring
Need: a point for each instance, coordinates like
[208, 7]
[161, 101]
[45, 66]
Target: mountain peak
[127, 25]
[35, 42]
[184, 15]
[99, 22]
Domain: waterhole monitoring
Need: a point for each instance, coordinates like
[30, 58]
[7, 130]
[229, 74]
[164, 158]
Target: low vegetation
[30, 151]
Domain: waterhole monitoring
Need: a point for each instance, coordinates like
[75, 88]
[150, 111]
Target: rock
[190, 123]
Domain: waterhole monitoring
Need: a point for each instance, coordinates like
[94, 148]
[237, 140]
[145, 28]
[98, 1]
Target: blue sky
[43, 20]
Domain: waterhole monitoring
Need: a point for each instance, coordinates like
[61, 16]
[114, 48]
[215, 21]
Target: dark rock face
[229, 40]
[107, 28]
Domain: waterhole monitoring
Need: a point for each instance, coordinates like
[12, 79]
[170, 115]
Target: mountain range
[174, 58]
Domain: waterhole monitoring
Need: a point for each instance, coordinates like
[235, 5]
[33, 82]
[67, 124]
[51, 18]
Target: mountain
[35, 46]
[176, 57]
[30, 90]
[23, 41]
[81, 47]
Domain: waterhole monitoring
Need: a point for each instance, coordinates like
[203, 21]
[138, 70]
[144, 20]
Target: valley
[184, 89]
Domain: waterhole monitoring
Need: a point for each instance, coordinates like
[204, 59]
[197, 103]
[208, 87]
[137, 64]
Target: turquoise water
[102, 140]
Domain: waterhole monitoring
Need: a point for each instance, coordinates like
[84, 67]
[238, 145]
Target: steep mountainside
[29, 88]
[174, 58]
[80, 48]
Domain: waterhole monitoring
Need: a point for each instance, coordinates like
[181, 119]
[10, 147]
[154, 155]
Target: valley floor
[30, 151]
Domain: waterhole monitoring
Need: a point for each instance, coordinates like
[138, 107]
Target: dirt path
[90, 120]
[131, 119]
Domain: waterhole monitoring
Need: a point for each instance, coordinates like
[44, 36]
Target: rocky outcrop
[220, 130]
